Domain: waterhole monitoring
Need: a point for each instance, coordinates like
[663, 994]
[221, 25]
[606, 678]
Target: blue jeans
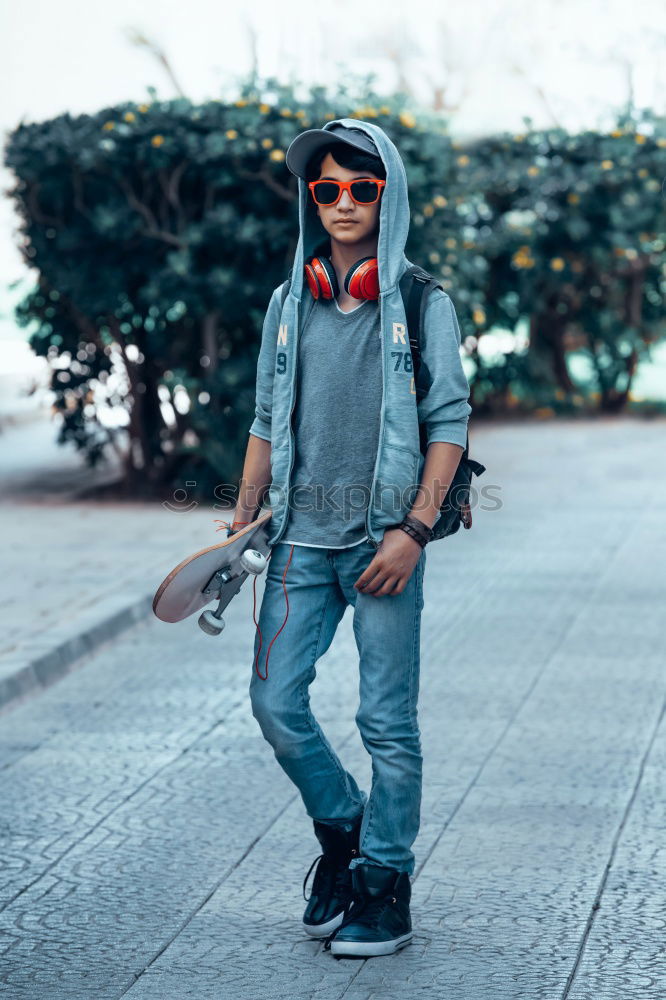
[319, 584]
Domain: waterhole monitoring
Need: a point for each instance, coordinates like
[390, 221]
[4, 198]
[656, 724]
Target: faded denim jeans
[319, 585]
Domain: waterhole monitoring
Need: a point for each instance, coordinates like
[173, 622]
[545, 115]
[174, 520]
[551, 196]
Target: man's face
[361, 221]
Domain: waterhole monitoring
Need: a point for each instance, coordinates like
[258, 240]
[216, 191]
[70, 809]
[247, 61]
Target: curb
[37, 664]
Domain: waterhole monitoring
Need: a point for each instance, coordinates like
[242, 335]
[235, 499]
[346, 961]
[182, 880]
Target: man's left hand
[391, 566]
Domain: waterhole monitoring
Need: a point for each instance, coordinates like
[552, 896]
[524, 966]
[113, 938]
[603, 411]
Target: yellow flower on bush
[573, 198]
[440, 201]
[640, 138]
[157, 140]
[643, 172]
[277, 155]
[143, 108]
[407, 119]
[607, 164]
[107, 126]
[385, 110]
[661, 142]
[264, 108]
[267, 143]
[557, 264]
[286, 112]
[241, 102]
[231, 133]
[129, 116]
[451, 243]
[522, 258]
[300, 113]
[428, 210]
[616, 133]
[462, 160]
[533, 171]
[479, 316]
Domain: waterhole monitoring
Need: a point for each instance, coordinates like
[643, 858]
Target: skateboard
[215, 573]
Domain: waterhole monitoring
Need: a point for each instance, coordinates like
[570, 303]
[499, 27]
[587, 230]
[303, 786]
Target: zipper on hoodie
[372, 541]
[292, 441]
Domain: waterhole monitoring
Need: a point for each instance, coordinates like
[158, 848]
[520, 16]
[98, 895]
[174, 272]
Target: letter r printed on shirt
[399, 333]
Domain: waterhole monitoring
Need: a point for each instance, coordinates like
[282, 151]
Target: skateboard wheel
[210, 624]
[253, 561]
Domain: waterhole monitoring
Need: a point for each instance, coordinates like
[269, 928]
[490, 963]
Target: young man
[335, 438]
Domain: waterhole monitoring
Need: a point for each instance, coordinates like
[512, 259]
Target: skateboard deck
[215, 573]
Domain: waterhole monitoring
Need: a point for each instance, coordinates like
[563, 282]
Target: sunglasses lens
[364, 191]
[326, 193]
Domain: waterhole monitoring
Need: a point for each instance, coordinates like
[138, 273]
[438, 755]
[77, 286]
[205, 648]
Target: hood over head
[393, 215]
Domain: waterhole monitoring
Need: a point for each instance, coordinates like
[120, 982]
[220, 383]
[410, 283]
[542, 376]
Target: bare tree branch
[153, 229]
[137, 38]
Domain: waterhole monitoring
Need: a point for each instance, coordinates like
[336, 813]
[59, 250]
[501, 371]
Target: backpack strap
[415, 286]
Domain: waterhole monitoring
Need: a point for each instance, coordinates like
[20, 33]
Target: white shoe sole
[323, 930]
[369, 948]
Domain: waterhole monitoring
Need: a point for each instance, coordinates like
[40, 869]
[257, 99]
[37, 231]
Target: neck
[343, 255]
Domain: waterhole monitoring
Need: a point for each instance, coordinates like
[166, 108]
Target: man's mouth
[345, 222]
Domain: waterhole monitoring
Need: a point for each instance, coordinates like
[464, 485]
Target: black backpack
[415, 285]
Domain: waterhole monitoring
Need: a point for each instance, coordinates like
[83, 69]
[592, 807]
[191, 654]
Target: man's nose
[345, 200]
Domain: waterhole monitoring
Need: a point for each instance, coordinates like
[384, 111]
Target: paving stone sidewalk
[151, 847]
[74, 574]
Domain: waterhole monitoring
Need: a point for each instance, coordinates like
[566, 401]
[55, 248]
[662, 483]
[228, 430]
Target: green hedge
[158, 231]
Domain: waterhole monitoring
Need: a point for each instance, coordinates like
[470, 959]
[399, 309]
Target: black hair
[345, 156]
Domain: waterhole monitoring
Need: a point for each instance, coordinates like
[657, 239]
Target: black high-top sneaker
[377, 920]
[332, 883]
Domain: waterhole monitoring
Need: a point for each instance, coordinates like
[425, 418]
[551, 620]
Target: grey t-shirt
[336, 424]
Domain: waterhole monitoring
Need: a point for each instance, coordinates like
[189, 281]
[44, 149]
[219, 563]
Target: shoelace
[369, 908]
[324, 874]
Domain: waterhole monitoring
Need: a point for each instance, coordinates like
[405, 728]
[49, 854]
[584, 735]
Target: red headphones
[361, 280]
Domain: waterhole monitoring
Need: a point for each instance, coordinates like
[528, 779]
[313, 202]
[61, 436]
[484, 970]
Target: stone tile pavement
[151, 847]
[75, 572]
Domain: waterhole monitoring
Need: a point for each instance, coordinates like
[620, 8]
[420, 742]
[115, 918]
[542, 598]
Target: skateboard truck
[215, 573]
[252, 561]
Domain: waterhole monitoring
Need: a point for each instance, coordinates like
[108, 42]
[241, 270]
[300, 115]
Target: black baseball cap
[307, 143]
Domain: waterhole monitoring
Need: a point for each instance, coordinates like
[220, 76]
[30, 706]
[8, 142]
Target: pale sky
[566, 62]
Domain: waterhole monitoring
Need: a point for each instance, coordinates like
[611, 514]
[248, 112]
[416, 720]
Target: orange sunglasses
[363, 192]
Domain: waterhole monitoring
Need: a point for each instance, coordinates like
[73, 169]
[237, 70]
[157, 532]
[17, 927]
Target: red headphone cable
[225, 524]
[254, 616]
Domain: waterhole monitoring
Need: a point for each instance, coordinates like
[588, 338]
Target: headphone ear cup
[321, 278]
[362, 280]
[311, 279]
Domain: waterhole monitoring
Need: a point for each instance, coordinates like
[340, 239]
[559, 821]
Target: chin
[353, 234]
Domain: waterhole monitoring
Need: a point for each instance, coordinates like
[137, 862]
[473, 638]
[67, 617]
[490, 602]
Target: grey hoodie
[444, 409]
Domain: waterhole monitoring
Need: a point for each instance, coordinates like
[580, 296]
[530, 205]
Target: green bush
[159, 230]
